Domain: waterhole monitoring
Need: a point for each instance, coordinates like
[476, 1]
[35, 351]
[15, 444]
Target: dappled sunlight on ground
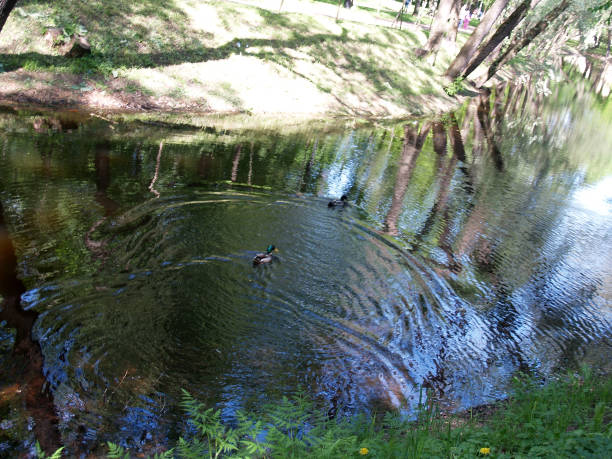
[232, 56]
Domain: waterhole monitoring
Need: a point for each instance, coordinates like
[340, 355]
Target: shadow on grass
[327, 48]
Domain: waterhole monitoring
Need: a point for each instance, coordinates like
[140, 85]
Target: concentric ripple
[342, 310]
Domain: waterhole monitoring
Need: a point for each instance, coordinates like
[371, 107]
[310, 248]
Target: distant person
[462, 13]
[348, 3]
[466, 19]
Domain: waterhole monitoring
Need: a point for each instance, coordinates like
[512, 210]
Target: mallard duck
[261, 258]
[343, 201]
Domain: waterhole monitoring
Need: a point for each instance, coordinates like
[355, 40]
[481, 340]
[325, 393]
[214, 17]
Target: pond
[474, 246]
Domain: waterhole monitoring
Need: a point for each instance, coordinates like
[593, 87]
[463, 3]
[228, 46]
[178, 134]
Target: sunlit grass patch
[145, 42]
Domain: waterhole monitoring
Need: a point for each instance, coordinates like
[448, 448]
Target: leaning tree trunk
[502, 32]
[472, 43]
[519, 43]
[609, 34]
[6, 6]
[444, 21]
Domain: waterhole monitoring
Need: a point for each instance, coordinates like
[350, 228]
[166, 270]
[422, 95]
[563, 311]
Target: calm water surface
[475, 246]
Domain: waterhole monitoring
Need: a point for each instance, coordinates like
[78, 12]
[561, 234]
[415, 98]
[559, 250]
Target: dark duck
[343, 201]
[266, 257]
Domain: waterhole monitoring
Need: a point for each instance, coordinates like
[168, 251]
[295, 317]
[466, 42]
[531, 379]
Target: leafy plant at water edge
[213, 438]
[455, 87]
[117, 452]
[41, 454]
[568, 417]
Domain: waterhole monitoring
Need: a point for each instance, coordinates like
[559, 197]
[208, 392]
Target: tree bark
[502, 32]
[6, 6]
[445, 19]
[472, 43]
[519, 43]
[608, 47]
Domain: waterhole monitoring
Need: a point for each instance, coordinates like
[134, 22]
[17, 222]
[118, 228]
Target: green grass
[565, 418]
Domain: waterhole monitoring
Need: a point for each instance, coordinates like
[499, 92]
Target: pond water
[474, 246]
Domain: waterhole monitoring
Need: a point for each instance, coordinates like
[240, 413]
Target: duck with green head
[266, 257]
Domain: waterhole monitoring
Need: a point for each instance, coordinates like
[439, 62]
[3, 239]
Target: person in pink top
[466, 19]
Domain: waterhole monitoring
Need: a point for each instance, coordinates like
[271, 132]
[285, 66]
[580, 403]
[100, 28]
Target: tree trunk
[445, 19]
[470, 46]
[6, 6]
[451, 37]
[608, 48]
[519, 43]
[502, 32]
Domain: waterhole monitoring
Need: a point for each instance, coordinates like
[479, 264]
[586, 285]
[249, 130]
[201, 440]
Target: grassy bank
[220, 56]
[567, 417]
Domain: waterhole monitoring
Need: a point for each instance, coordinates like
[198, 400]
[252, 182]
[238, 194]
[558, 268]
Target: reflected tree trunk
[156, 173]
[600, 81]
[468, 121]
[456, 139]
[441, 204]
[484, 117]
[499, 107]
[472, 230]
[250, 176]
[308, 166]
[527, 96]
[103, 180]
[234, 174]
[439, 139]
[413, 144]
[446, 175]
[204, 164]
[515, 94]
[478, 141]
[31, 383]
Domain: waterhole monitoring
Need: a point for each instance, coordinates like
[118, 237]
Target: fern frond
[116, 452]
[40, 454]
[165, 455]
